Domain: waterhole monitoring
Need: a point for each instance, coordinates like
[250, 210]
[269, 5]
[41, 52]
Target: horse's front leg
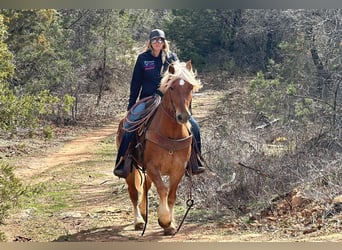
[136, 192]
[174, 181]
[143, 202]
[163, 211]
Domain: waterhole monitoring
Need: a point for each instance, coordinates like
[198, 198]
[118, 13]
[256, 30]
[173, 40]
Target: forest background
[57, 67]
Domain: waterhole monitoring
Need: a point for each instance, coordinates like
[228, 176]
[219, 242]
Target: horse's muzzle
[183, 117]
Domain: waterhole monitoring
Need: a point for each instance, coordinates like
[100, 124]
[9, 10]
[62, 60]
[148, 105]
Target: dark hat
[157, 33]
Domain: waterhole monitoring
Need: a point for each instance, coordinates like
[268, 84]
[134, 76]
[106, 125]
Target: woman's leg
[196, 132]
[134, 115]
[196, 165]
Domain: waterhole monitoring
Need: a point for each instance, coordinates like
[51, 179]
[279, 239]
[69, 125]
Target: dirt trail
[81, 149]
[83, 201]
[94, 204]
[77, 150]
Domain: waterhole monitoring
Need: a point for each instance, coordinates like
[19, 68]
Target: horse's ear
[188, 65]
[171, 69]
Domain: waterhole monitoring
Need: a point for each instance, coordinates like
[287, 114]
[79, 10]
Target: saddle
[139, 127]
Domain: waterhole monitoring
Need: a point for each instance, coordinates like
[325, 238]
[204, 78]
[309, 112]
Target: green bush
[48, 132]
[24, 111]
[10, 190]
[273, 97]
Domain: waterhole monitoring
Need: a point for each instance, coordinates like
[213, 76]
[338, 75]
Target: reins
[152, 103]
[146, 199]
[190, 203]
[171, 116]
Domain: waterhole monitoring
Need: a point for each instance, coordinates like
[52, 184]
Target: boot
[197, 168]
[123, 168]
[194, 164]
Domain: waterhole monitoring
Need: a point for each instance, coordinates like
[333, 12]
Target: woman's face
[157, 43]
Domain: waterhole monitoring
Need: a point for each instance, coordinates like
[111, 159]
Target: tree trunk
[102, 81]
[269, 48]
[321, 73]
[234, 30]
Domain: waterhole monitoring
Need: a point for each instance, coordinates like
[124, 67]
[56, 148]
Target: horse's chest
[171, 156]
[167, 157]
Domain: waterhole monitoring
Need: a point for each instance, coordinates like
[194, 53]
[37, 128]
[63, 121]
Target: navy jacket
[146, 75]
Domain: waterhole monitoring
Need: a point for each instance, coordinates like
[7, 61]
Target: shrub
[25, 112]
[48, 132]
[10, 190]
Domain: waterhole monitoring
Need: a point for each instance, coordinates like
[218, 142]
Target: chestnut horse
[167, 147]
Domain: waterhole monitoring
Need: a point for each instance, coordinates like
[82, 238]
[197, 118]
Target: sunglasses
[157, 40]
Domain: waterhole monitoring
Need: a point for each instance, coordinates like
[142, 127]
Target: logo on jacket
[148, 65]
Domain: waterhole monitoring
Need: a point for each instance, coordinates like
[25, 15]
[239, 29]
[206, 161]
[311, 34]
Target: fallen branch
[267, 124]
[254, 169]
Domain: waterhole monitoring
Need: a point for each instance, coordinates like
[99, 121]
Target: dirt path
[78, 150]
[81, 200]
[81, 149]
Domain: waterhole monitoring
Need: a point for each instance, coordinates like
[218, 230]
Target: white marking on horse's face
[181, 82]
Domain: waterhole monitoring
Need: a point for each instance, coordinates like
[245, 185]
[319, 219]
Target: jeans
[196, 132]
[127, 136]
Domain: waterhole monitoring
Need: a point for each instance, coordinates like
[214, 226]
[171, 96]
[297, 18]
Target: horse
[167, 147]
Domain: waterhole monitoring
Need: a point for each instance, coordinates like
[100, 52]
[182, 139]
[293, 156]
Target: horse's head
[177, 85]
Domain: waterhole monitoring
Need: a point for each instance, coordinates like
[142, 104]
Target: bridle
[171, 115]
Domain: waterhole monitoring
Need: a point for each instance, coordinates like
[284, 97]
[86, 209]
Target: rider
[148, 70]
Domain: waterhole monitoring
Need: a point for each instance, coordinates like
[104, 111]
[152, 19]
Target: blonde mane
[180, 72]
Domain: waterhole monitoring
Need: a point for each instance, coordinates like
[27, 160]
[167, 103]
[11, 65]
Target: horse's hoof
[163, 225]
[139, 226]
[169, 231]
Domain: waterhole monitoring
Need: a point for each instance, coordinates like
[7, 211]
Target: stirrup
[197, 170]
[194, 168]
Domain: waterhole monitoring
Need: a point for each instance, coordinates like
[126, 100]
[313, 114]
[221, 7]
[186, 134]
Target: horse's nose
[183, 117]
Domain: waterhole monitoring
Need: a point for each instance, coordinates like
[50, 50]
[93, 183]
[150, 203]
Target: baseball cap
[157, 33]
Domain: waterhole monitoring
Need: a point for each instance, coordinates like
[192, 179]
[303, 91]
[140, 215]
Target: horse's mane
[180, 72]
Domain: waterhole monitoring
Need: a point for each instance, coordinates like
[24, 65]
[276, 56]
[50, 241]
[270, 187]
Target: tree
[103, 40]
[202, 34]
[308, 72]
[6, 57]
[33, 37]
[41, 66]
[142, 21]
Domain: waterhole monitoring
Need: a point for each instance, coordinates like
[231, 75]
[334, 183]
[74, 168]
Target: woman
[147, 73]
